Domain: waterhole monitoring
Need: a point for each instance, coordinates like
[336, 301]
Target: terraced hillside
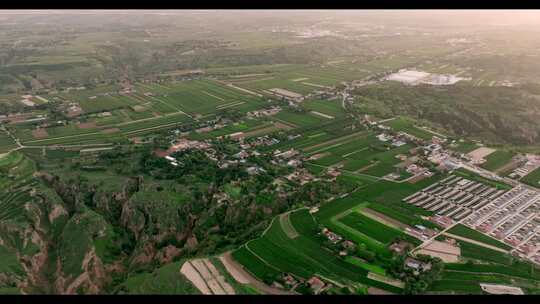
[16, 184]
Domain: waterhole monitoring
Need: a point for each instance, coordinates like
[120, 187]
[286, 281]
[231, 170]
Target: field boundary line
[491, 273]
[212, 95]
[335, 140]
[179, 110]
[475, 242]
[354, 152]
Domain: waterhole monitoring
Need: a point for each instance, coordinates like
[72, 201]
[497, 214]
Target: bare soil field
[192, 275]
[205, 276]
[87, 125]
[138, 108]
[480, 152]
[501, 289]
[40, 133]
[242, 276]
[378, 291]
[446, 252]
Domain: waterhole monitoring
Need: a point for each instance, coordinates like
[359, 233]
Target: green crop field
[380, 193]
[302, 257]
[6, 143]
[106, 103]
[472, 234]
[407, 126]
[532, 178]
[328, 107]
[456, 286]
[401, 216]
[244, 126]
[299, 119]
[516, 269]
[197, 97]
[497, 159]
[370, 227]
[477, 252]
[465, 147]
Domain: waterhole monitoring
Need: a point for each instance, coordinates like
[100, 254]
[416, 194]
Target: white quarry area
[412, 77]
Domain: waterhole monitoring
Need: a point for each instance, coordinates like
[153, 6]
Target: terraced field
[6, 143]
[16, 181]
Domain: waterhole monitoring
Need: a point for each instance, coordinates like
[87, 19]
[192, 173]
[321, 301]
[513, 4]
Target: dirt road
[243, 277]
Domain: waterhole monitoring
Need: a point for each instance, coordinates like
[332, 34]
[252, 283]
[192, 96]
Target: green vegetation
[403, 217]
[472, 234]
[497, 159]
[6, 143]
[533, 178]
[303, 257]
[370, 227]
[408, 126]
[477, 252]
[91, 203]
[164, 280]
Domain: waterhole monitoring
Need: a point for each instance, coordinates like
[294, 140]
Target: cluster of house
[441, 220]
[442, 158]
[27, 100]
[400, 247]
[514, 219]
[530, 163]
[420, 232]
[292, 97]
[396, 141]
[333, 237]
[21, 117]
[184, 144]
[265, 112]
[417, 266]
[454, 197]
[301, 176]
[210, 128]
[73, 109]
[316, 285]
[265, 140]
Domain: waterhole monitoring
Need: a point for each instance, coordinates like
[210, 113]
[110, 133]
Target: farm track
[475, 242]
[205, 276]
[287, 226]
[242, 276]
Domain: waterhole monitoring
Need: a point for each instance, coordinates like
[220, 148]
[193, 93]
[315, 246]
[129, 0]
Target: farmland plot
[303, 258]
